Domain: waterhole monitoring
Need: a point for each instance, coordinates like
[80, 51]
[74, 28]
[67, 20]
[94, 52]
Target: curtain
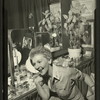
[25, 13]
[65, 6]
[36, 8]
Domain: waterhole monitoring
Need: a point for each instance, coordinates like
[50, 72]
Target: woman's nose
[37, 67]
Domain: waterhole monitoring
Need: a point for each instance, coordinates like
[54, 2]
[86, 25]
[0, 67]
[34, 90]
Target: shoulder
[59, 71]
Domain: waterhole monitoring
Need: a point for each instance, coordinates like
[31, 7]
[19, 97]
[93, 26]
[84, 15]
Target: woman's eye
[39, 61]
[33, 63]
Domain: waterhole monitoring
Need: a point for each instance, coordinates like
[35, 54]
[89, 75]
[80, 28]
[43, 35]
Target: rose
[54, 35]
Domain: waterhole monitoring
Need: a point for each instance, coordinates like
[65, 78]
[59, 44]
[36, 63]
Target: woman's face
[40, 63]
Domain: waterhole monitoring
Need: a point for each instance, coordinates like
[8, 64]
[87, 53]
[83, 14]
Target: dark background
[1, 64]
[97, 49]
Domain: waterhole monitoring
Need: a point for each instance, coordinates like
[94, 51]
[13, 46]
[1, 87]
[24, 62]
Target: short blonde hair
[40, 50]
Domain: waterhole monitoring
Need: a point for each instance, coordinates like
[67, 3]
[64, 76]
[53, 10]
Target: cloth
[63, 82]
[90, 95]
[54, 98]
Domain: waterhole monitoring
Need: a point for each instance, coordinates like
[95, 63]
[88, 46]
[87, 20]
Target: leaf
[54, 26]
[40, 29]
[65, 16]
[52, 18]
[75, 11]
[46, 27]
[69, 19]
[47, 15]
[70, 12]
[40, 23]
[74, 19]
[65, 25]
[43, 21]
[83, 19]
[43, 13]
[48, 21]
[50, 26]
[47, 11]
[57, 19]
[71, 26]
[81, 28]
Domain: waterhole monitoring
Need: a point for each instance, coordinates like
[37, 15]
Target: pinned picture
[27, 42]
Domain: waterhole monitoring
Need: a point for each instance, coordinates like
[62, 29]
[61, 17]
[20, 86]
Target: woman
[53, 82]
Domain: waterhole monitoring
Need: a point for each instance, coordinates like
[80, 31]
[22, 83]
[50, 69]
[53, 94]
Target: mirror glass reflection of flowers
[51, 24]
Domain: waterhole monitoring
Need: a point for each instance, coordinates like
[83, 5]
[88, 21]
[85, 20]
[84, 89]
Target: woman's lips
[40, 69]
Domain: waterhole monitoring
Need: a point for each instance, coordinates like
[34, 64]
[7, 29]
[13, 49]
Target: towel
[29, 66]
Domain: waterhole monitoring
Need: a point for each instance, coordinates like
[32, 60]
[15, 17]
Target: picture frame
[90, 38]
[90, 6]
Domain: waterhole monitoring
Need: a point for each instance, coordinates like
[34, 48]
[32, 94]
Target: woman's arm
[77, 74]
[89, 82]
[42, 89]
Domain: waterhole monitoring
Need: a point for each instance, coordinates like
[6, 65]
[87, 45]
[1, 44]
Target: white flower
[54, 35]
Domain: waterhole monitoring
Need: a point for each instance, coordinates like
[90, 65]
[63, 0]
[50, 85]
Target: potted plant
[74, 26]
[51, 24]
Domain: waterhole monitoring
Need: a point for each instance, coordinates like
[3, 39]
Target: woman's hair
[40, 50]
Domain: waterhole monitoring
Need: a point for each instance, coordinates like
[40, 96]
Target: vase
[74, 53]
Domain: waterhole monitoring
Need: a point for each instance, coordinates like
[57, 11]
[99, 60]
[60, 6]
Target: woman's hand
[38, 80]
[41, 87]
